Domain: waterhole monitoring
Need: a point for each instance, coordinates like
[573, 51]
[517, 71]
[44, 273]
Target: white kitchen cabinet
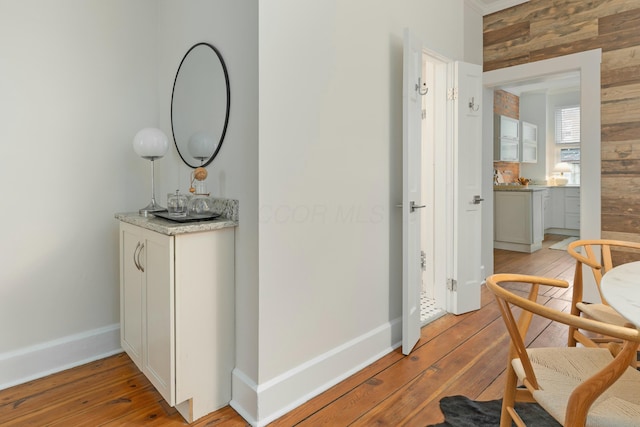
[565, 211]
[546, 207]
[557, 208]
[506, 132]
[177, 310]
[518, 220]
[572, 208]
[529, 143]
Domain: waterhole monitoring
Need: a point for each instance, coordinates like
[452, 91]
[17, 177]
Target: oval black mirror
[200, 105]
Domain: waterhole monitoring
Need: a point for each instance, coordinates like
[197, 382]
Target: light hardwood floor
[455, 355]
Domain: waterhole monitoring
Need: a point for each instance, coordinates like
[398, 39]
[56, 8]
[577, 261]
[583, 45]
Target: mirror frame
[228, 107]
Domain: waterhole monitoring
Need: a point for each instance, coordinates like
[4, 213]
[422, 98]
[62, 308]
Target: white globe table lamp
[562, 168]
[151, 144]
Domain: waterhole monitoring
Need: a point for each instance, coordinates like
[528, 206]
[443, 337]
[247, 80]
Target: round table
[621, 288]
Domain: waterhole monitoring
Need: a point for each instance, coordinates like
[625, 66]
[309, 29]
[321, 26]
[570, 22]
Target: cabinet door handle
[139, 263]
[135, 262]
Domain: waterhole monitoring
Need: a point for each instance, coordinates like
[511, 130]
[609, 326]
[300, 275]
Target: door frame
[588, 64]
[443, 201]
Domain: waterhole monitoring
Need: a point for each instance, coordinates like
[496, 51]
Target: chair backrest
[597, 255]
[583, 396]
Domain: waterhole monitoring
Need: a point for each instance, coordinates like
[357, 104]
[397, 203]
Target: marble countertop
[172, 228]
[227, 207]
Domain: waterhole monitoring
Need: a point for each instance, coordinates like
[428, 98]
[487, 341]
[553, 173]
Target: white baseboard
[263, 403]
[518, 247]
[563, 231]
[244, 396]
[20, 366]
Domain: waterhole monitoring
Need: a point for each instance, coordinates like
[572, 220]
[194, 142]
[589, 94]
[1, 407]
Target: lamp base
[151, 208]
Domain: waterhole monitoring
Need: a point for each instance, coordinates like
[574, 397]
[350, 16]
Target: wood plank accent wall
[543, 29]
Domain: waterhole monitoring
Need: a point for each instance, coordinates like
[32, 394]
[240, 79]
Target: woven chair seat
[602, 312]
[560, 370]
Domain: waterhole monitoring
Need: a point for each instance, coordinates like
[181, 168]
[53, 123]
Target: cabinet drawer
[572, 192]
[572, 205]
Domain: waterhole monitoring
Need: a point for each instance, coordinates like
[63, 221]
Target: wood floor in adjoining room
[463, 354]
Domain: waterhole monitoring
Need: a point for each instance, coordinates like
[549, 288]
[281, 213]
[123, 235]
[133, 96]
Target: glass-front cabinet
[506, 133]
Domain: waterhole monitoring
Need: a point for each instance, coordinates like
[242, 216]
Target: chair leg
[509, 398]
[575, 298]
[571, 342]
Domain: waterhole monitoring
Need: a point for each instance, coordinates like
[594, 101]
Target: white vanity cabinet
[519, 220]
[147, 295]
[177, 309]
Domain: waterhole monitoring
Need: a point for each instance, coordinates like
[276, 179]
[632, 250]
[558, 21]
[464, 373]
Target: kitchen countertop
[508, 187]
[519, 187]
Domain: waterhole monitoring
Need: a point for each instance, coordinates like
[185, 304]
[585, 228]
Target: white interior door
[427, 167]
[467, 274]
[411, 164]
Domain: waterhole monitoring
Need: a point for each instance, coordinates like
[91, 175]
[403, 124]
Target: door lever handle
[413, 206]
[477, 199]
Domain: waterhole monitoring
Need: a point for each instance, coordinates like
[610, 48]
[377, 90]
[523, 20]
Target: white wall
[78, 80]
[330, 177]
[473, 33]
[232, 27]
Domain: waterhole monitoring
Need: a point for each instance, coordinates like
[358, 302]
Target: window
[574, 175]
[570, 155]
[568, 138]
[568, 125]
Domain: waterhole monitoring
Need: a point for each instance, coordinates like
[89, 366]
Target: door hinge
[423, 260]
[424, 113]
[452, 285]
[452, 93]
